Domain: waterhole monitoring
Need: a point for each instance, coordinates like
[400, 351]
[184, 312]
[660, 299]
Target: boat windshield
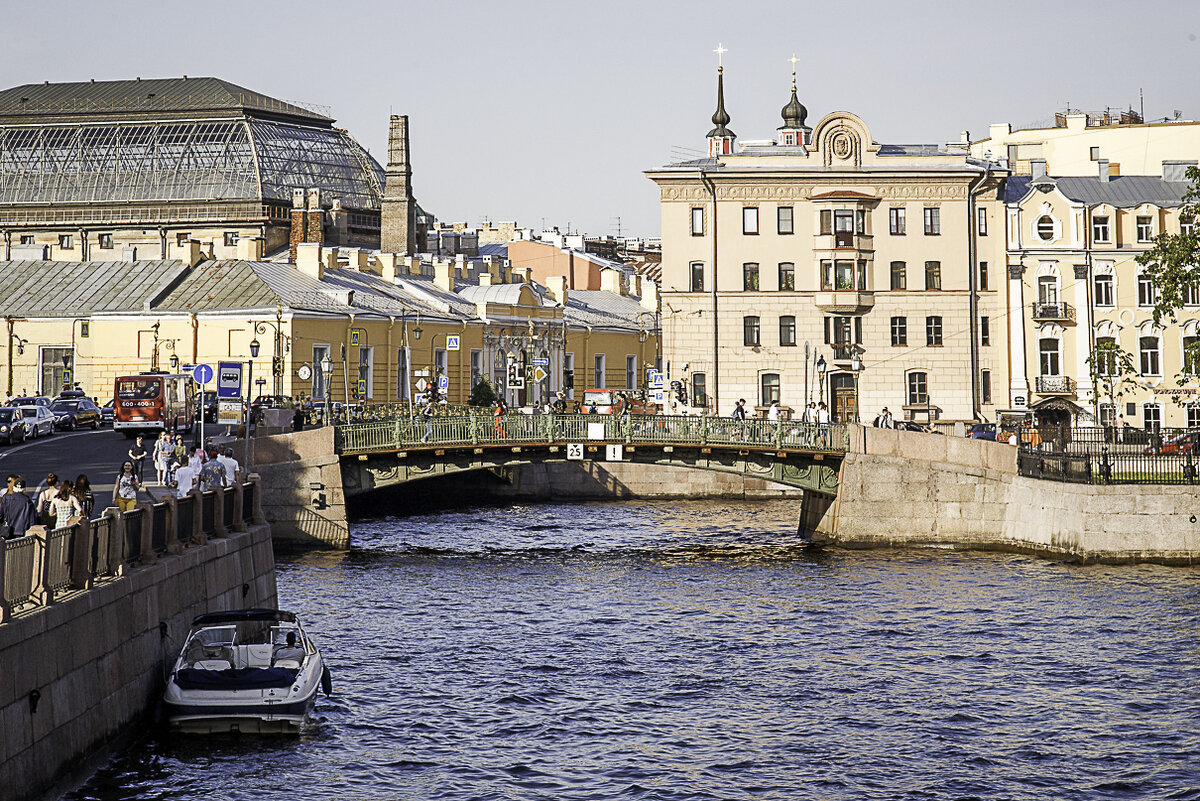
[244, 644]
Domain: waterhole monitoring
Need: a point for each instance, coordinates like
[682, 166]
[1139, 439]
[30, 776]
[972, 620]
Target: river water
[694, 651]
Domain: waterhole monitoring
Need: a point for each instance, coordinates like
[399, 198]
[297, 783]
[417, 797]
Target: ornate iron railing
[479, 428]
[1055, 385]
[1110, 455]
[1053, 312]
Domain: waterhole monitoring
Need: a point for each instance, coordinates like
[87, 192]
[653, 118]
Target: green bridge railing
[401, 432]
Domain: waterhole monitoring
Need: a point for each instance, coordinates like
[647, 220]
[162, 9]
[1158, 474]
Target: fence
[37, 567]
[1110, 455]
[480, 428]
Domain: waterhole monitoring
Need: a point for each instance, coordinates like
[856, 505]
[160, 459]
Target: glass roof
[183, 161]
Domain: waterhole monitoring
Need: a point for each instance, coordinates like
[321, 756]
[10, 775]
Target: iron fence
[479, 428]
[102, 563]
[21, 571]
[1110, 455]
[59, 547]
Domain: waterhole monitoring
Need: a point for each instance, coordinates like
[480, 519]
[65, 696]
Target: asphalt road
[97, 454]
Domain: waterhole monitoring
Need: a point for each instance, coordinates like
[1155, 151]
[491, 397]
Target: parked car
[39, 420]
[107, 413]
[72, 413]
[985, 431]
[913, 425]
[70, 394]
[12, 425]
[206, 404]
[1184, 443]
[30, 400]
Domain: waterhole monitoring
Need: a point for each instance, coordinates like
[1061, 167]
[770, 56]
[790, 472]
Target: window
[1147, 293]
[826, 222]
[843, 228]
[862, 274]
[933, 331]
[699, 389]
[1108, 415]
[1152, 416]
[366, 371]
[899, 275]
[985, 331]
[476, 366]
[787, 330]
[1187, 224]
[933, 221]
[569, 374]
[983, 275]
[750, 220]
[439, 362]
[860, 221]
[1191, 356]
[843, 274]
[66, 241]
[826, 275]
[896, 222]
[982, 219]
[320, 352]
[1100, 229]
[770, 388]
[1191, 295]
[1149, 353]
[899, 331]
[750, 277]
[1193, 415]
[918, 389]
[783, 220]
[1045, 228]
[697, 277]
[27, 239]
[231, 238]
[1048, 353]
[787, 276]
[985, 385]
[843, 331]
[933, 275]
[1094, 153]
[1048, 289]
[598, 373]
[182, 239]
[104, 241]
[631, 372]
[1145, 229]
[697, 221]
[1103, 290]
[750, 330]
[1105, 356]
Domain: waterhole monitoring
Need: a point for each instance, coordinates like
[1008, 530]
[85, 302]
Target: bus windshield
[139, 388]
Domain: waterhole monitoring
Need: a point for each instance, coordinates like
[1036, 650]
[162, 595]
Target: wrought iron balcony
[1053, 313]
[1055, 385]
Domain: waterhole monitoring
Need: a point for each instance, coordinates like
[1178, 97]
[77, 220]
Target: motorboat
[245, 671]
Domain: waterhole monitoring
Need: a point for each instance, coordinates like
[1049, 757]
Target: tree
[1173, 263]
[482, 394]
[1112, 370]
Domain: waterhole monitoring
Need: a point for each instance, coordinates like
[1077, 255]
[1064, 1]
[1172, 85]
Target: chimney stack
[611, 280]
[310, 259]
[398, 214]
[387, 266]
[635, 287]
[250, 248]
[649, 297]
[414, 265]
[443, 275]
[298, 220]
[521, 275]
[1037, 168]
[316, 225]
[557, 284]
[1102, 170]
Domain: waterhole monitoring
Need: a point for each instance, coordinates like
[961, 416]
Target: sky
[548, 113]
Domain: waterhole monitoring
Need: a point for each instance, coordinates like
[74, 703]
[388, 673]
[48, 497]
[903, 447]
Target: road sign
[658, 396]
[614, 453]
[595, 431]
[362, 387]
[422, 385]
[541, 360]
[229, 380]
[656, 379]
[452, 342]
[443, 382]
[421, 373]
[575, 451]
[539, 374]
[229, 411]
[202, 374]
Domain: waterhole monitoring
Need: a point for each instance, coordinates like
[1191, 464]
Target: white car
[39, 420]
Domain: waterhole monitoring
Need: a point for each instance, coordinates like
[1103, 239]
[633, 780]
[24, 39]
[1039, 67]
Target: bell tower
[793, 132]
[720, 138]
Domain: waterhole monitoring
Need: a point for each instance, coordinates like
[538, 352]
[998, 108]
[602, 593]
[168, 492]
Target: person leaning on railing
[17, 512]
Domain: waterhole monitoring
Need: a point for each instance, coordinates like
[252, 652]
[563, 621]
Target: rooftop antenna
[1141, 105]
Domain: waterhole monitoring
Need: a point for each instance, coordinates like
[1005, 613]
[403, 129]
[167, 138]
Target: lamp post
[254, 346]
[856, 367]
[821, 367]
[280, 346]
[326, 369]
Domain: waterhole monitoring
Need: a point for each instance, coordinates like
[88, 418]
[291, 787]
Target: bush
[482, 394]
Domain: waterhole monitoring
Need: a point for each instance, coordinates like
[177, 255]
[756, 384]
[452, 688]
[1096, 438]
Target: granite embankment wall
[75, 676]
[902, 488]
[608, 480]
[302, 497]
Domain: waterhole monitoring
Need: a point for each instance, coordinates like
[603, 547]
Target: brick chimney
[1102, 170]
[414, 265]
[611, 280]
[298, 224]
[310, 260]
[635, 285]
[557, 284]
[398, 214]
[316, 223]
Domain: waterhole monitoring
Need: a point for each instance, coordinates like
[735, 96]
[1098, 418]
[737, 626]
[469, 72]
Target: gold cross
[793, 59]
[720, 51]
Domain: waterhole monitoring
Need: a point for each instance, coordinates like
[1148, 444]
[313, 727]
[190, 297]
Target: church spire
[720, 138]
[794, 132]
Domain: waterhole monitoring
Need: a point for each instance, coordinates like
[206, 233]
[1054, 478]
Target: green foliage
[1112, 370]
[1173, 263]
[482, 394]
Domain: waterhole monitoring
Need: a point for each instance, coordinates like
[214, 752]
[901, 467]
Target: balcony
[843, 240]
[1053, 313]
[1055, 385]
[844, 301]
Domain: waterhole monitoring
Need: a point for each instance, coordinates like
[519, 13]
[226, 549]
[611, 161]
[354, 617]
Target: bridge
[387, 452]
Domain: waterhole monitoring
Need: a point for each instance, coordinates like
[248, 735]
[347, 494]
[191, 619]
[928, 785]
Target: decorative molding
[1015, 271]
[1081, 271]
[768, 190]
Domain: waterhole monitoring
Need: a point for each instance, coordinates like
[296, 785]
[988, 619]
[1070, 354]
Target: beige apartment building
[821, 265]
[1074, 281]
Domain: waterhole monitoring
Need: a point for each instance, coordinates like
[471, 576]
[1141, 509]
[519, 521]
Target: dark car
[913, 425]
[75, 413]
[30, 400]
[206, 403]
[107, 414]
[267, 402]
[12, 425]
[71, 394]
[986, 431]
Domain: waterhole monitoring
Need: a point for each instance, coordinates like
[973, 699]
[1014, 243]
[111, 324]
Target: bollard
[81, 556]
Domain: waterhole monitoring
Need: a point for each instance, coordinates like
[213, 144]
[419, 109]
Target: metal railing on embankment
[37, 568]
[479, 428]
[1110, 455]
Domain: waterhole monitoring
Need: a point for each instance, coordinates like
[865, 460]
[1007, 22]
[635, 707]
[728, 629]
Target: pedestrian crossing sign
[452, 342]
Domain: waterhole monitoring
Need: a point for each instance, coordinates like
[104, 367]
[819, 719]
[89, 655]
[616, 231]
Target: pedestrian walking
[83, 493]
[498, 414]
[196, 458]
[125, 488]
[162, 457]
[17, 511]
[46, 492]
[773, 412]
[137, 454]
[739, 409]
[427, 416]
[212, 474]
[67, 510]
[231, 465]
[185, 480]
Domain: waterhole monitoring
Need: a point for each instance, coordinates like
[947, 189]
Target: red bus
[150, 401]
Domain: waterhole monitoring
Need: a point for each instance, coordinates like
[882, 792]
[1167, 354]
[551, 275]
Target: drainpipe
[973, 293]
[9, 348]
[1087, 295]
[195, 321]
[345, 359]
[462, 338]
[391, 325]
[712, 191]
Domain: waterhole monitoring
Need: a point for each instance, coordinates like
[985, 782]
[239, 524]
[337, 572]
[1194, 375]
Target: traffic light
[512, 370]
[277, 366]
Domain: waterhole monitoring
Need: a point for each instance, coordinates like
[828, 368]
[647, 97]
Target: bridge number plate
[575, 451]
[614, 453]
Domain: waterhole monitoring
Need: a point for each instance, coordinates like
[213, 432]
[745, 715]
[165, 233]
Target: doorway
[843, 398]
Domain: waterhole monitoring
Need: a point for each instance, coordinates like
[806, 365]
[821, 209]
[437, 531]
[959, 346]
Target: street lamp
[326, 369]
[856, 367]
[279, 348]
[821, 367]
[174, 363]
